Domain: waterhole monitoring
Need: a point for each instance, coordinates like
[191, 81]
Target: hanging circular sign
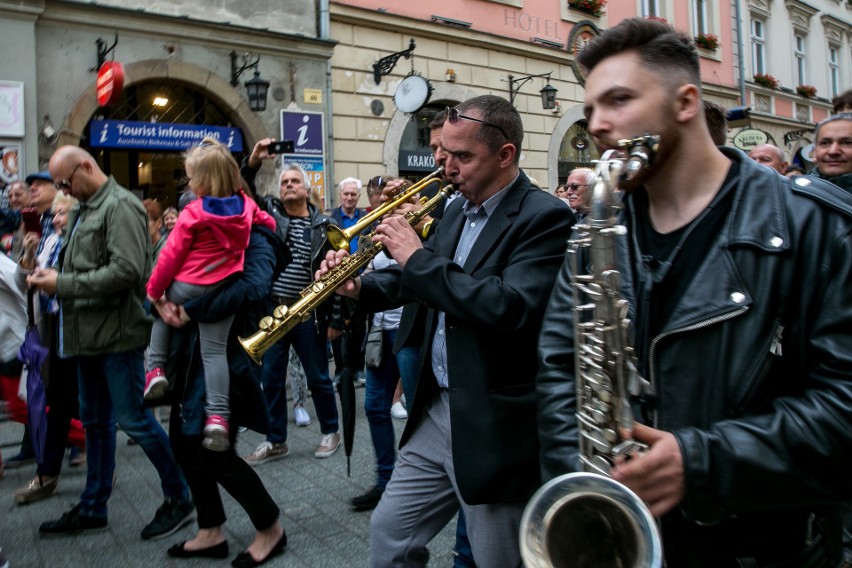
[412, 94]
[110, 83]
[581, 34]
[749, 138]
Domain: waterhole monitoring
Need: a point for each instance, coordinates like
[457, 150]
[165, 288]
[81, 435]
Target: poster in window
[10, 163]
[11, 108]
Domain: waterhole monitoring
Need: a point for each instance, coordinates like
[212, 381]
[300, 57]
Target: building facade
[470, 47]
[179, 76]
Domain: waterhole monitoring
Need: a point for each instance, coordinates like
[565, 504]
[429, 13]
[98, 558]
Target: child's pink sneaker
[155, 384]
[216, 434]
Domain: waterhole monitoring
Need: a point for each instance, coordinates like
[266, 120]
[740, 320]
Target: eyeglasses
[575, 186]
[65, 184]
[453, 115]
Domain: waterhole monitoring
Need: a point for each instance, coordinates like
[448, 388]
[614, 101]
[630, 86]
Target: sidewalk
[322, 530]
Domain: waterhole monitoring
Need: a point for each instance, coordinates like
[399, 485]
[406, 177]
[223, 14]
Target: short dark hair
[842, 102]
[500, 112]
[717, 123]
[658, 45]
[438, 121]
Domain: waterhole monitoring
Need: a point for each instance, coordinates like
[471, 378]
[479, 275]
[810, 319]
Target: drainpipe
[324, 33]
[740, 57]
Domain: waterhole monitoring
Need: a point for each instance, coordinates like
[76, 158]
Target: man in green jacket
[105, 264]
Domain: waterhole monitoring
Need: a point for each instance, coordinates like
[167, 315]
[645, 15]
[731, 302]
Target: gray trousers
[214, 353]
[422, 497]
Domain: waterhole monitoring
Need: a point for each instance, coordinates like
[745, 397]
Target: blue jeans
[378, 398]
[408, 360]
[111, 391]
[309, 341]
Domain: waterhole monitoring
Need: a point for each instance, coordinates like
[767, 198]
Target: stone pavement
[313, 495]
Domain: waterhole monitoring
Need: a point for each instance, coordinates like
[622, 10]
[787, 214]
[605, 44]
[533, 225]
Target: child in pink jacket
[206, 246]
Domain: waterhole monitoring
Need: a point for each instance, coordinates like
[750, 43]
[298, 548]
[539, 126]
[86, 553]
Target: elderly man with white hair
[347, 213]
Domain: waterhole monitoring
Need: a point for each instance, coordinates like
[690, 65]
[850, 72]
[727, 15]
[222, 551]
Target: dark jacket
[752, 376]
[843, 181]
[493, 306]
[247, 296]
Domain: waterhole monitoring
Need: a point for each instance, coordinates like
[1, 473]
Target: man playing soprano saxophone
[482, 282]
[740, 287]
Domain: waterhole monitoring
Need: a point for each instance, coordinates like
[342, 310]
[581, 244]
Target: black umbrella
[33, 354]
[346, 390]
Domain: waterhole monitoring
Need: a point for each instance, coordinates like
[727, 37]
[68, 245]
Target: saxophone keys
[266, 323]
[280, 312]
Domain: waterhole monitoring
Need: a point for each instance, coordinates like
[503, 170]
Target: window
[799, 53]
[699, 17]
[758, 46]
[650, 8]
[833, 71]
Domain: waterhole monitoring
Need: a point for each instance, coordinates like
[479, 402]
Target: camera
[281, 147]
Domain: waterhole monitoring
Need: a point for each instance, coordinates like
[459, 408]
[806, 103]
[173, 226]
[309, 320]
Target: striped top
[297, 275]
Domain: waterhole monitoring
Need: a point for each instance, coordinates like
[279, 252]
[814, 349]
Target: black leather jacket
[752, 374]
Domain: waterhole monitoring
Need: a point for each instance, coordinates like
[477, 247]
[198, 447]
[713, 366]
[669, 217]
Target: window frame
[758, 45]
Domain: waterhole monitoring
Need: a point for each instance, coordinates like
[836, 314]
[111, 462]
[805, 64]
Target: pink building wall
[544, 19]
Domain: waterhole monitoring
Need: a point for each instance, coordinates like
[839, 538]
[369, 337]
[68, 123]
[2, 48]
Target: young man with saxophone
[482, 281]
[739, 283]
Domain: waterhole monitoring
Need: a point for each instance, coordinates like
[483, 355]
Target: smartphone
[32, 220]
[281, 147]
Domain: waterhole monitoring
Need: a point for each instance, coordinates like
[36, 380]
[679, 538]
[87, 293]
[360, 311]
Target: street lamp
[256, 87]
[548, 93]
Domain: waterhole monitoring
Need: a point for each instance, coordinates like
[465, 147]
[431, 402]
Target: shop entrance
[163, 118]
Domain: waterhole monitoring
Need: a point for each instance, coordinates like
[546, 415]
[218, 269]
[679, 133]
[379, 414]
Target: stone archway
[212, 85]
[572, 115]
[393, 137]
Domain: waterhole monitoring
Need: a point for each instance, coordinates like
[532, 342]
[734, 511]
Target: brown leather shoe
[36, 490]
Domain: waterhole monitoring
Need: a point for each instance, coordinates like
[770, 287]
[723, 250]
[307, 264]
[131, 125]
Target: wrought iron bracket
[516, 84]
[386, 64]
[236, 71]
[103, 51]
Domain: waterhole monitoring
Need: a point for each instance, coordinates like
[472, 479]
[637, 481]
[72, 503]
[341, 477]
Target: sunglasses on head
[377, 182]
[453, 115]
[65, 184]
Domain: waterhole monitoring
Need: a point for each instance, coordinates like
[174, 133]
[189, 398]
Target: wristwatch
[426, 226]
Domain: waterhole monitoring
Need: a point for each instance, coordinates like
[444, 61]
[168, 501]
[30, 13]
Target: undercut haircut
[660, 48]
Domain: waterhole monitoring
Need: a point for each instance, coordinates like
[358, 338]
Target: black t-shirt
[667, 263]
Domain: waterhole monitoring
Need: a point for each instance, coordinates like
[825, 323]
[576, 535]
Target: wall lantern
[548, 93]
[256, 87]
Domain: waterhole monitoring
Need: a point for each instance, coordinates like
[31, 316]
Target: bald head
[76, 172]
[769, 155]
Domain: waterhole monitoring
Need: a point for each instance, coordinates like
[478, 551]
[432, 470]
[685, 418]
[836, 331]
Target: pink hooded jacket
[208, 242]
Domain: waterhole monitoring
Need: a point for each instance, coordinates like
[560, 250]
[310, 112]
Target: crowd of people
[737, 277]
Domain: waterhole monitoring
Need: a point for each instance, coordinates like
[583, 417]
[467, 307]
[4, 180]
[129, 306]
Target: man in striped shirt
[304, 226]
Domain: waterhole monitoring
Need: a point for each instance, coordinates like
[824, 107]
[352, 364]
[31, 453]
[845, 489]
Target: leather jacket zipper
[700, 325]
[770, 348]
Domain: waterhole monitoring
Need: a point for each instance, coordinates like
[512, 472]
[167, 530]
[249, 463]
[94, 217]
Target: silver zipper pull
[775, 348]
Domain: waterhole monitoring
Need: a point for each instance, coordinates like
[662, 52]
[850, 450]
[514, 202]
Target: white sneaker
[301, 415]
[398, 411]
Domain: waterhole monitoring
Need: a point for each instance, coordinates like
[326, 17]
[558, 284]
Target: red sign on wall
[110, 83]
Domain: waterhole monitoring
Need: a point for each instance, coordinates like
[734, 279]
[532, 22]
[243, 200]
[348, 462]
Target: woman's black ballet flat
[244, 559]
[217, 551]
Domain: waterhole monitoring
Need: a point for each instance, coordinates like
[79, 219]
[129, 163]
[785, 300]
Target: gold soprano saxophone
[587, 519]
[285, 318]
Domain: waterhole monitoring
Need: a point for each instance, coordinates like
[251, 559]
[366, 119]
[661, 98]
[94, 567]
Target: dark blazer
[494, 305]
